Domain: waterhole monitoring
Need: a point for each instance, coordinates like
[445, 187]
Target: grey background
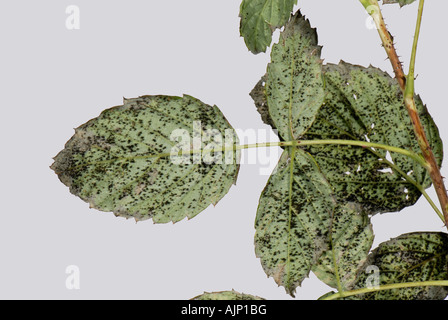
[53, 80]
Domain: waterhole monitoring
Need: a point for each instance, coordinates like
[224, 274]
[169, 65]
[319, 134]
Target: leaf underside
[313, 214]
[299, 219]
[226, 295]
[413, 257]
[120, 162]
[300, 227]
[259, 19]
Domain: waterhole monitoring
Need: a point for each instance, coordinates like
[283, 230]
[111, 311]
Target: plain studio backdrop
[54, 79]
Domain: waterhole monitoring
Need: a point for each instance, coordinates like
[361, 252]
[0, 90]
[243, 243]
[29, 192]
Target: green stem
[363, 144]
[345, 294]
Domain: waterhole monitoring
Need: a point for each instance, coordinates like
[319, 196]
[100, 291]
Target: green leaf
[127, 160]
[226, 295]
[401, 2]
[350, 243]
[413, 257]
[294, 85]
[366, 104]
[293, 219]
[259, 19]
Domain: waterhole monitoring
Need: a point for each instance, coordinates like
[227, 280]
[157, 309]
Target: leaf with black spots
[151, 158]
[366, 105]
[351, 237]
[226, 295]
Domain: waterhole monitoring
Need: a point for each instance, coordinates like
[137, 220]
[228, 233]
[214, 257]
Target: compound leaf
[413, 257]
[127, 160]
[294, 83]
[259, 19]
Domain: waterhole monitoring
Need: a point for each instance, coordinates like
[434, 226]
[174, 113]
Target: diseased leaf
[293, 219]
[127, 160]
[294, 83]
[401, 2]
[258, 94]
[306, 101]
[226, 295]
[366, 104]
[259, 19]
[413, 257]
[351, 238]
[326, 295]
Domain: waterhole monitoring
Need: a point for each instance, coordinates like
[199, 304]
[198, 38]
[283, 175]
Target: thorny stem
[414, 183]
[407, 87]
[386, 287]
